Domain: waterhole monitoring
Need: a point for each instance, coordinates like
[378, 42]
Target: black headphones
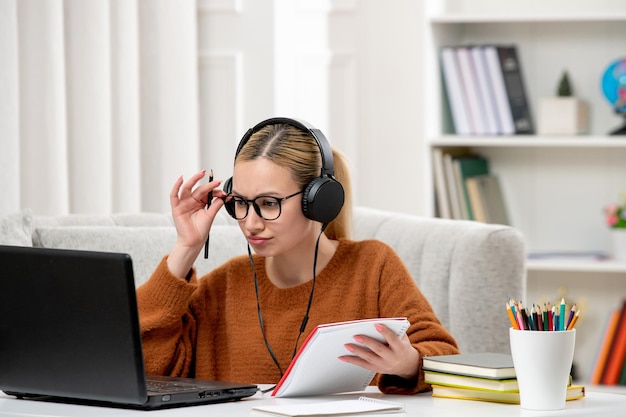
[323, 197]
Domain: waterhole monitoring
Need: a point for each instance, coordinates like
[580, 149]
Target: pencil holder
[543, 362]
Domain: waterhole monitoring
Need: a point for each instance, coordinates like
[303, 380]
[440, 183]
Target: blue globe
[614, 84]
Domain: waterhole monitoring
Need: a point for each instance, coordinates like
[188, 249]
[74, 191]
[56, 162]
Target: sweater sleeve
[426, 333]
[167, 323]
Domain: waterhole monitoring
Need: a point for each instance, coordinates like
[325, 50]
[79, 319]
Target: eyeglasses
[268, 208]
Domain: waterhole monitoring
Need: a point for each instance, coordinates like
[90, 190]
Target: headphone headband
[328, 164]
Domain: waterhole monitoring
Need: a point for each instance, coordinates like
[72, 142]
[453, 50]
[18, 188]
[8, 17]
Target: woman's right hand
[191, 219]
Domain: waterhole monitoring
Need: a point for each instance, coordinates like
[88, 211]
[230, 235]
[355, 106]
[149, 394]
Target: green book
[481, 365]
[464, 168]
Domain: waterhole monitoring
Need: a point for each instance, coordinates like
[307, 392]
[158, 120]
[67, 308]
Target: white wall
[352, 68]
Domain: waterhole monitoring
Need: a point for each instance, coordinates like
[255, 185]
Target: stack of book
[485, 90]
[478, 376]
[610, 364]
[466, 189]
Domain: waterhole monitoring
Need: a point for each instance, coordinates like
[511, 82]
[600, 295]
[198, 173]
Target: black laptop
[69, 331]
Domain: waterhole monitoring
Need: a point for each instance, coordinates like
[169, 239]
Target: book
[455, 91]
[472, 90]
[510, 67]
[454, 197]
[503, 110]
[622, 377]
[604, 347]
[463, 381]
[364, 405]
[574, 392]
[442, 194]
[465, 167]
[486, 199]
[617, 351]
[441, 190]
[485, 89]
[482, 365]
[315, 369]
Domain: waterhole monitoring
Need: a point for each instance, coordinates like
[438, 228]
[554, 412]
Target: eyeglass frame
[255, 206]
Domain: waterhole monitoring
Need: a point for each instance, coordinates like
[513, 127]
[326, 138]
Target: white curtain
[98, 104]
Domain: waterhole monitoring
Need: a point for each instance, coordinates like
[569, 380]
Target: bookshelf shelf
[615, 267]
[458, 18]
[521, 141]
[554, 187]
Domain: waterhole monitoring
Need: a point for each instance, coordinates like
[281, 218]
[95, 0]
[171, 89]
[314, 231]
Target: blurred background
[104, 103]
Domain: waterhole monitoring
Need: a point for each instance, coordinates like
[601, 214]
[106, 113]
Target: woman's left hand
[395, 356]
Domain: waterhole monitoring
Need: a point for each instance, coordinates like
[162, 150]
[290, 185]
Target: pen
[208, 204]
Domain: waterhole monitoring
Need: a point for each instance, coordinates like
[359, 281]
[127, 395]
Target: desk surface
[423, 405]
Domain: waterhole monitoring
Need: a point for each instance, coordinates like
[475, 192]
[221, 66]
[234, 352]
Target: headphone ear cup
[228, 188]
[323, 199]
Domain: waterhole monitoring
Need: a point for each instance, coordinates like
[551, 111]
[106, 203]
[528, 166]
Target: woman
[244, 320]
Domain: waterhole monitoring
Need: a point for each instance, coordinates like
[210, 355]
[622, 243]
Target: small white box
[562, 116]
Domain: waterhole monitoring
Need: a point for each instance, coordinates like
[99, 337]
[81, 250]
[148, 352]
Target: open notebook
[70, 332]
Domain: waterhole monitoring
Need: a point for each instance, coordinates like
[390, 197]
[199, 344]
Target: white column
[9, 115]
[125, 127]
[169, 97]
[89, 105]
[43, 146]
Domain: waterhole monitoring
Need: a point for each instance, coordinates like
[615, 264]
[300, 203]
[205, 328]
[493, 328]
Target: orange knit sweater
[209, 327]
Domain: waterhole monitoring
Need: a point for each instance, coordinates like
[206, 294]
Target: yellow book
[463, 381]
[574, 392]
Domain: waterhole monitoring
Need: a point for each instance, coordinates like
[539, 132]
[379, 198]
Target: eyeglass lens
[266, 207]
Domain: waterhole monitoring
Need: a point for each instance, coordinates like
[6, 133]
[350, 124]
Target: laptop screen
[69, 325]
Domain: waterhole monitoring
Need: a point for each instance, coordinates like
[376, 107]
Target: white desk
[422, 405]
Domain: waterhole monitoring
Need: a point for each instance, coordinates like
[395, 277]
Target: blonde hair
[298, 152]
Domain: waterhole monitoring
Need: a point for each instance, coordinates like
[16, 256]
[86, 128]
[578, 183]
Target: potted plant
[564, 114]
[615, 217]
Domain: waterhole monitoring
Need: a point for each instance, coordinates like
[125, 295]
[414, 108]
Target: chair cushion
[15, 229]
[145, 245]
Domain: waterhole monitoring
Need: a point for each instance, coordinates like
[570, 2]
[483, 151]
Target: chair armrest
[467, 270]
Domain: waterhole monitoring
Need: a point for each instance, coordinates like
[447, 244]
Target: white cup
[543, 362]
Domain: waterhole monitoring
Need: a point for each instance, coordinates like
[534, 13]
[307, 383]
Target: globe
[614, 88]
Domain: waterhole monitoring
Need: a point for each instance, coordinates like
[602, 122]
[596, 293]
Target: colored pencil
[509, 311]
[573, 321]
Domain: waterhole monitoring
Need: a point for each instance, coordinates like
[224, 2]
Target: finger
[208, 191]
[355, 360]
[174, 192]
[191, 182]
[368, 348]
[361, 357]
[392, 339]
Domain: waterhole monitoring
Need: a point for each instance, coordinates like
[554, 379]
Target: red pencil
[551, 319]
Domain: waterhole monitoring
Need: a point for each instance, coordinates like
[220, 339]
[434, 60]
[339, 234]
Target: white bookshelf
[555, 187]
